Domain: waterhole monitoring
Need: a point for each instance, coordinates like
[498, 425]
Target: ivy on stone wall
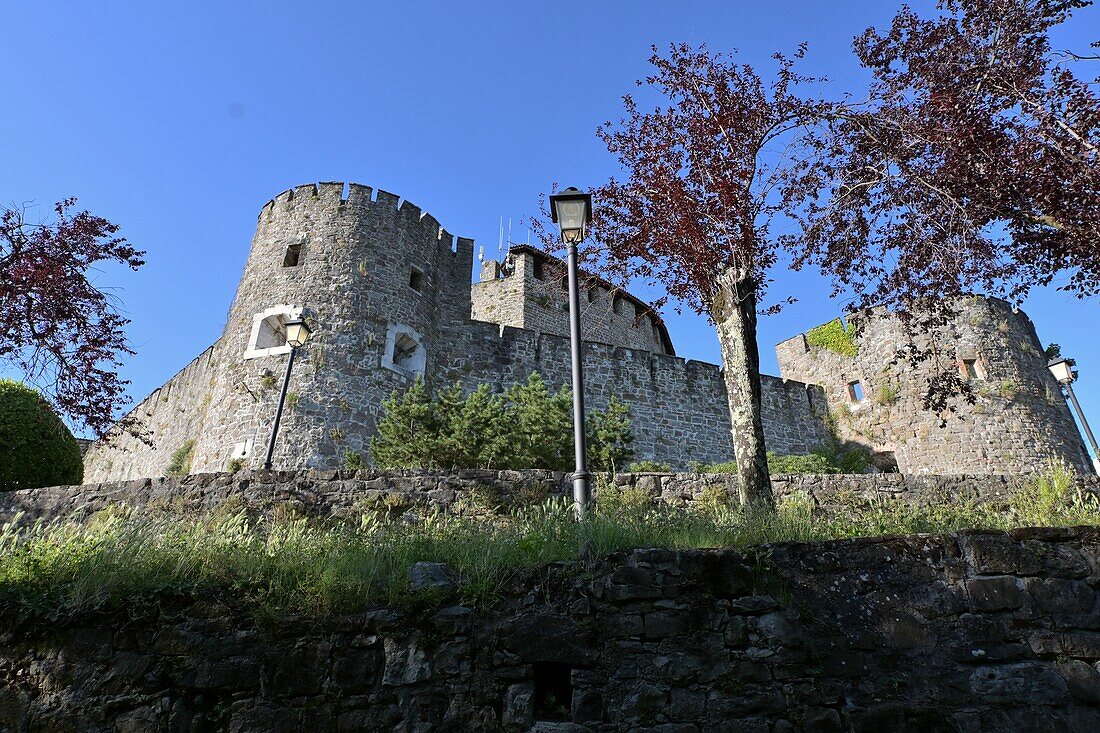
[834, 336]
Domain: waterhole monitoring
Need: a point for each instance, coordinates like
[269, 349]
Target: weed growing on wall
[180, 462]
[835, 337]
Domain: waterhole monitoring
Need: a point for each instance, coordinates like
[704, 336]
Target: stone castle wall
[679, 408]
[1018, 425]
[968, 632]
[368, 270]
[387, 293]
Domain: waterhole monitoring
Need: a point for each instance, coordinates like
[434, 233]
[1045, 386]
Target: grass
[288, 565]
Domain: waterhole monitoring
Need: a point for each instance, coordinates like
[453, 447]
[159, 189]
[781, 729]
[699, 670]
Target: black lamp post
[1063, 371]
[571, 210]
[297, 333]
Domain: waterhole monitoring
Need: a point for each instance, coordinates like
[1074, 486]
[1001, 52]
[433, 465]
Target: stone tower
[377, 280]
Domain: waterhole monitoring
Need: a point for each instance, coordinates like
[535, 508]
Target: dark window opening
[885, 461]
[593, 294]
[536, 269]
[416, 279]
[970, 369]
[617, 305]
[855, 391]
[553, 691]
[404, 349]
[293, 255]
[565, 283]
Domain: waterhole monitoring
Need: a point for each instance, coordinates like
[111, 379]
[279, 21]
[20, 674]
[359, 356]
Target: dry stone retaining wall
[343, 494]
[967, 633]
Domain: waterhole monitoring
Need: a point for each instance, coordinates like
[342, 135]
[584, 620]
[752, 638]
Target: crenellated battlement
[355, 199]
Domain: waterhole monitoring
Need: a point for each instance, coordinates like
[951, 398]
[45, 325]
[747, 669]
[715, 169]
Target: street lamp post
[571, 210]
[297, 333]
[1063, 371]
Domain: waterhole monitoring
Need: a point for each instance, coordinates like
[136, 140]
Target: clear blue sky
[178, 121]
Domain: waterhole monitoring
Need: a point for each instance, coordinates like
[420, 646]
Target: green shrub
[36, 449]
[648, 466]
[180, 462]
[721, 467]
[526, 426]
[234, 465]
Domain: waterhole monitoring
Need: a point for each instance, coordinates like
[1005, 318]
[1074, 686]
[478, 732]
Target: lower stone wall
[346, 494]
[967, 632]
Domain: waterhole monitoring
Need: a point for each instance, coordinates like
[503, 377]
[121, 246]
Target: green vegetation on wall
[180, 462]
[36, 449]
[834, 336]
[853, 460]
[283, 564]
[526, 426]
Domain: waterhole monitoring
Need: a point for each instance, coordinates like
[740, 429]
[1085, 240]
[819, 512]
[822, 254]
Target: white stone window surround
[404, 352]
[263, 341]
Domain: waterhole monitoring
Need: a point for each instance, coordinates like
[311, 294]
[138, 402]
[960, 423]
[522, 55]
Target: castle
[386, 290]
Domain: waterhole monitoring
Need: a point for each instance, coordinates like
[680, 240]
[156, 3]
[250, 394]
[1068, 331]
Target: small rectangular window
[593, 294]
[617, 304]
[970, 369]
[416, 279]
[536, 269]
[293, 255]
[855, 391]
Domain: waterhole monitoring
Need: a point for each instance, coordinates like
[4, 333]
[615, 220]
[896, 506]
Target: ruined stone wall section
[679, 408]
[1019, 424]
[535, 298]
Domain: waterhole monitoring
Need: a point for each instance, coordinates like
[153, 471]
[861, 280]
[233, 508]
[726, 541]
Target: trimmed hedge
[36, 449]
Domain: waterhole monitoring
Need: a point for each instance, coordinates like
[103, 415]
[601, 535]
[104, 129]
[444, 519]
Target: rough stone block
[994, 594]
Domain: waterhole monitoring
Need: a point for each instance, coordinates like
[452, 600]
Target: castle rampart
[387, 293]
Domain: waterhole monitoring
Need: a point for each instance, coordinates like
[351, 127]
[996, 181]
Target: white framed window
[268, 337]
[405, 353]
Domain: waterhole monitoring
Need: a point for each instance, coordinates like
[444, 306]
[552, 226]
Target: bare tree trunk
[734, 312]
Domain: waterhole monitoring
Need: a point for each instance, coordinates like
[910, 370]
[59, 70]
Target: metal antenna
[500, 240]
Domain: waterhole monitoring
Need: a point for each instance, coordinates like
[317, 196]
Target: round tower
[1018, 423]
[376, 279]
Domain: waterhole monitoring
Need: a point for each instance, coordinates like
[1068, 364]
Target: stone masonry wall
[348, 494]
[967, 633]
[174, 413]
[679, 409]
[1020, 421]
